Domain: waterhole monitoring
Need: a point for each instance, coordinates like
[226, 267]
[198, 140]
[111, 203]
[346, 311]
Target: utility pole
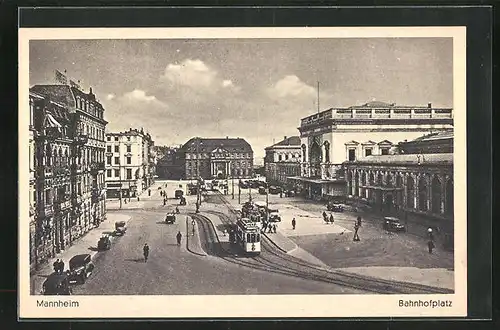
[239, 191]
[232, 187]
[318, 96]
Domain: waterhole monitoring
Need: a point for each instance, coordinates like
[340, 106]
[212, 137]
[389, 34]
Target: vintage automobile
[262, 190]
[290, 193]
[56, 284]
[104, 243]
[275, 190]
[274, 215]
[80, 268]
[335, 207]
[120, 227]
[178, 194]
[170, 218]
[182, 201]
[393, 224]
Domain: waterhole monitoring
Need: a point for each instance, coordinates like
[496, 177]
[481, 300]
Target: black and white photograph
[275, 172]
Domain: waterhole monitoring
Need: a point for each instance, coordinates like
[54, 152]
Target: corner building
[215, 158]
[283, 160]
[337, 135]
[68, 197]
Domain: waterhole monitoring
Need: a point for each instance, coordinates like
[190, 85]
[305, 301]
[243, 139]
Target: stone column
[416, 192]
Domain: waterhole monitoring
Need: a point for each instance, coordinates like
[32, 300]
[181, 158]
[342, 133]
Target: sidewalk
[85, 244]
[193, 242]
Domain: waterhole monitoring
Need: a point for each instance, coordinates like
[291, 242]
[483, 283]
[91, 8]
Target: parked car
[178, 194]
[290, 193]
[243, 184]
[104, 243]
[393, 224]
[56, 284]
[254, 184]
[120, 227]
[274, 215]
[262, 190]
[170, 218]
[335, 207]
[80, 268]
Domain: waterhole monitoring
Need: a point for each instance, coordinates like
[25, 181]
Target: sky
[256, 89]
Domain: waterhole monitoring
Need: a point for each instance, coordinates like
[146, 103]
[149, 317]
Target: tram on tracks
[247, 236]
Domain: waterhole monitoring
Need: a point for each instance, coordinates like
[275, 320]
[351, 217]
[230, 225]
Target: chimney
[284, 138]
[90, 91]
[429, 105]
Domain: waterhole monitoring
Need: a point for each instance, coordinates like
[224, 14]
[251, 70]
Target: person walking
[359, 221]
[149, 192]
[275, 228]
[145, 251]
[325, 217]
[331, 218]
[56, 266]
[61, 266]
[293, 223]
[264, 226]
[430, 245]
[430, 234]
[179, 238]
[356, 236]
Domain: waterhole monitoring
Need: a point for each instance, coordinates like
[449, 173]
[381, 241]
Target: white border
[246, 306]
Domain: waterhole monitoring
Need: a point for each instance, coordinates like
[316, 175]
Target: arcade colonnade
[422, 190]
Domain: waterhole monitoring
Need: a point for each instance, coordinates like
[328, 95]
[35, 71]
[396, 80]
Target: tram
[248, 236]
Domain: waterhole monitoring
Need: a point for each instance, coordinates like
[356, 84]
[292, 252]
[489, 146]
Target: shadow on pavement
[136, 260]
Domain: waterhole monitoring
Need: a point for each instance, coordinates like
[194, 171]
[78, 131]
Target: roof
[210, 144]
[434, 136]
[409, 159]
[58, 93]
[291, 141]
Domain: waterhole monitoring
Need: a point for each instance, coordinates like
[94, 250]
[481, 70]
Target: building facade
[337, 135]
[130, 163]
[167, 167]
[215, 158]
[420, 182]
[283, 160]
[68, 192]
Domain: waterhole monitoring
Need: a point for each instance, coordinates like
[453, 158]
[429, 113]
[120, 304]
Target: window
[384, 151]
[352, 155]
[129, 173]
[117, 148]
[108, 160]
[108, 148]
[129, 148]
[368, 152]
[279, 158]
[108, 138]
[116, 138]
[286, 157]
[117, 173]
[129, 160]
[108, 173]
[117, 160]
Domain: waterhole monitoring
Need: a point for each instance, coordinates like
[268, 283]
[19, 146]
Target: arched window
[316, 156]
[422, 194]
[436, 195]
[410, 192]
[448, 205]
[304, 158]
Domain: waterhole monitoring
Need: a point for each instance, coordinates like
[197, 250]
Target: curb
[279, 247]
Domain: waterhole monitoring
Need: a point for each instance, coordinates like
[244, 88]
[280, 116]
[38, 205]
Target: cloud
[140, 96]
[197, 75]
[291, 86]
[110, 96]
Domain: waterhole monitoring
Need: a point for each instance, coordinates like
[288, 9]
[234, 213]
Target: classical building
[419, 180]
[215, 158]
[282, 160]
[130, 163]
[336, 135]
[68, 135]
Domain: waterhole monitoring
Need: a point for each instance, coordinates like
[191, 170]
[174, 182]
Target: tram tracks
[273, 259]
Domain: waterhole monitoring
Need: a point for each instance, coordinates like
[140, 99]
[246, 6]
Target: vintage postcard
[242, 172]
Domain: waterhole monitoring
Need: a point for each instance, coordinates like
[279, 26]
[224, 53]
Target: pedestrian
[161, 193]
[164, 202]
[293, 223]
[125, 200]
[325, 216]
[264, 226]
[145, 251]
[275, 228]
[430, 245]
[430, 233]
[359, 221]
[331, 218]
[179, 238]
[138, 198]
[356, 236]
[193, 230]
[61, 266]
[56, 266]
[149, 192]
